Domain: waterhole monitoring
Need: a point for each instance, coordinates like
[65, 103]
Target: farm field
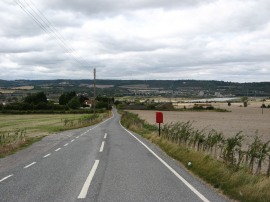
[35, 125]
[248, 120]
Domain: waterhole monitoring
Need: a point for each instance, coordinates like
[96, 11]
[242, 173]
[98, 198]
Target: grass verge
[13, 148]
[20, 131]
[237, 184]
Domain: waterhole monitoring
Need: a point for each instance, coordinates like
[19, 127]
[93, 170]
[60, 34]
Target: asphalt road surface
[104, 162]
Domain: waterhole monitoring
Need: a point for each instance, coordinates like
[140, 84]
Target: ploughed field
[246, 119]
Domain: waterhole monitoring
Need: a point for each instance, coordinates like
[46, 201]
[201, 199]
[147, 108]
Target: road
[98, 163]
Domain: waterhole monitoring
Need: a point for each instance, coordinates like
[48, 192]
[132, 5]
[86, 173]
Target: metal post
[159, 129]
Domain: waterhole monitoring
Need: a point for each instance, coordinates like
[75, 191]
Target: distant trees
[68, 100]
[35, 98]
[74, 103]
[82, 98]
[71, 100]
[66, 97]
[104, 102]
[35, 101]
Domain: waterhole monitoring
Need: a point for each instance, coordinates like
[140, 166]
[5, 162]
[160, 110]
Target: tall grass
[83, 121]
[10, 140]
[220, 161]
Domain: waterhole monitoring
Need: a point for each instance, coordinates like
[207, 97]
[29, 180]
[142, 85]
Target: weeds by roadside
[86, 120]
[11, 140]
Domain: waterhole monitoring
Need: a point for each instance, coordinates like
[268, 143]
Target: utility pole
[94, 103]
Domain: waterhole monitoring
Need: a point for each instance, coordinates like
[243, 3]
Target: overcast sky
[225, 40]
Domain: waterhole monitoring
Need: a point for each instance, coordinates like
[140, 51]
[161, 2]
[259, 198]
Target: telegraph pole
[94, 103]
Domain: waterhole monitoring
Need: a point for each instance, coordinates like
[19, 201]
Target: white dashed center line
[57, 149]
[3, 179]
[66, 144]
[102, 147]
[72, 140]
[105, 136]
[30, 165]
[46, 155]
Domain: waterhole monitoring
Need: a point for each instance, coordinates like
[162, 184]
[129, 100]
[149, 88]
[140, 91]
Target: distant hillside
[169, 88]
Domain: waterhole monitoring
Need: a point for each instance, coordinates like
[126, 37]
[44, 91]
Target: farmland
[36, 125]
[246, 119]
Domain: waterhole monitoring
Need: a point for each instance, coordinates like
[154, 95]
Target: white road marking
[87, 183]
[57, 149]
[30, 165]
[202, 197]
[77, 136]
[105, 136]
[66, 144]
[72, 140]
[46, 155]
[3, 179]
[102, 147]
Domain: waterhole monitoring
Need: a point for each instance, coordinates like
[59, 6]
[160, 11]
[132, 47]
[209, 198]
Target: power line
[37, 16]
[55, 31]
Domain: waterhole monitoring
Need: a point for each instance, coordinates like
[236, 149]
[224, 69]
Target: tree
[82, 98]
[74, 103]
[66, 97]
[35, 98]
[104, 102]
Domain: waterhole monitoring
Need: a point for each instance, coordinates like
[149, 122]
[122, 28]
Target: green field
[36, 125]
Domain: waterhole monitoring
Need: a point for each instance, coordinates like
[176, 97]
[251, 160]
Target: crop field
[246, 119]
[35, 125]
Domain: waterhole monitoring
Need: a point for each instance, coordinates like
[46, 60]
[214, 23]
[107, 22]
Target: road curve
[104, 162]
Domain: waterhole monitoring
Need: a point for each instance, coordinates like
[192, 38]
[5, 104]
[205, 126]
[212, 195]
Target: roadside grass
[20, 131]
[13, 148]
[237, 184]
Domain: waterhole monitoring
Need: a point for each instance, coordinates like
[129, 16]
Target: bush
[35, 98]
[74, 103]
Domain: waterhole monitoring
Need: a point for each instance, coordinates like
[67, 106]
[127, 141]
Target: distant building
[89, 103]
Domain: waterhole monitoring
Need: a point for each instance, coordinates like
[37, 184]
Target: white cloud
[212, 39]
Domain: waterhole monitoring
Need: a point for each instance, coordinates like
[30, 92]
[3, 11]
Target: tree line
[67, 101]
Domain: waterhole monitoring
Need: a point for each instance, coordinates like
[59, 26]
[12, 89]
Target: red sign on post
[159, 117]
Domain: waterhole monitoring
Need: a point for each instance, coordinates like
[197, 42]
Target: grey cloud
[221, 40]
[108, 6]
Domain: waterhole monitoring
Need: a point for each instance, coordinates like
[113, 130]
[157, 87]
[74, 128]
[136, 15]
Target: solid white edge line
[105, 136]
[102, 146]
[3, 179]
[88, 181]
[30, 165]
[57, 149]
[202, 197]
[46, 156]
